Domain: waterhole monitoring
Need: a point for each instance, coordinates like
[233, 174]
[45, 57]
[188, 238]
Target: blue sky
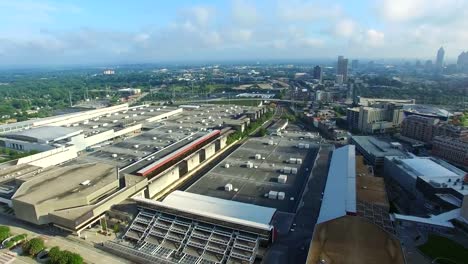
[77, 32]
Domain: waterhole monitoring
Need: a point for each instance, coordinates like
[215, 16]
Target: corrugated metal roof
[227, 208]
[340, 190]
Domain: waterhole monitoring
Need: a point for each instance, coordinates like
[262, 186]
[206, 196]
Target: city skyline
[52, 32]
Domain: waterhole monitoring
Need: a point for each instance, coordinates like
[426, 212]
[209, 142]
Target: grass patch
[442, 247]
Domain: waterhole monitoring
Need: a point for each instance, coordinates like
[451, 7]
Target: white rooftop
[437, 220]
[339, 197]
[205, 204]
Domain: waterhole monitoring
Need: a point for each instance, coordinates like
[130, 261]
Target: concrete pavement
[73, 244]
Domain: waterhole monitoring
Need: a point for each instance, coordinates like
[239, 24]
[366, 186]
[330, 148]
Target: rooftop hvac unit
[250, 165]
[301, 145]
[258, 156]
[114, 155]
[306, 146]
[228, 187]
[282, 178]
[226, 165]
[292, 160]
[270, 142]
[293, 170]
[135, 146]
[286, 170]
[281, 195]
[298, 161]
[272, 195]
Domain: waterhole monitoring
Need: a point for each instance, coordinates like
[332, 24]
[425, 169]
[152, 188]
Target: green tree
[104, 225]
[116, 228]
[4, 232]
[34, 246]
[54, 255]
[262, 132]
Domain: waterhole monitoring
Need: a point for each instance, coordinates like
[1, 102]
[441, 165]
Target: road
[70, 243]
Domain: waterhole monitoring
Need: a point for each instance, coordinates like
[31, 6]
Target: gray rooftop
[253, 183]
[64, 183]
[377, 147]
[44, 134]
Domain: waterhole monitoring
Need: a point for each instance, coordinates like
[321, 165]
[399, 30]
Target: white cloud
[374, 37]
[344, 28]
[244, 13]
[307, 10]
[414, 10]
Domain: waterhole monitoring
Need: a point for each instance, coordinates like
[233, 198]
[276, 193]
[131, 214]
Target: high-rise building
[339, 79]
[440, 58]
[318, 73]
[342, 68]
[462, 61]
[428, 65]
[354, 64]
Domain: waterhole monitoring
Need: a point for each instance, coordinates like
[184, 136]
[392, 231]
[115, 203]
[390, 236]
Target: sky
[156, 31]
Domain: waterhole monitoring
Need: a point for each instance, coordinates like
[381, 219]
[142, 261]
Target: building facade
[419, 128]
[426, 128]
[450, 149]
[382, 118]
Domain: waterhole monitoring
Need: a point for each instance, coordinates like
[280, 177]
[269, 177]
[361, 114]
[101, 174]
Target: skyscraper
[354, 64]
[440, 58]
[462, 61]
[342, 68]
[318, 73]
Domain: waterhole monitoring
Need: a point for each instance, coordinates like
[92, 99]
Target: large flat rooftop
[251, 185]
[376, 146]
[66, 183]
